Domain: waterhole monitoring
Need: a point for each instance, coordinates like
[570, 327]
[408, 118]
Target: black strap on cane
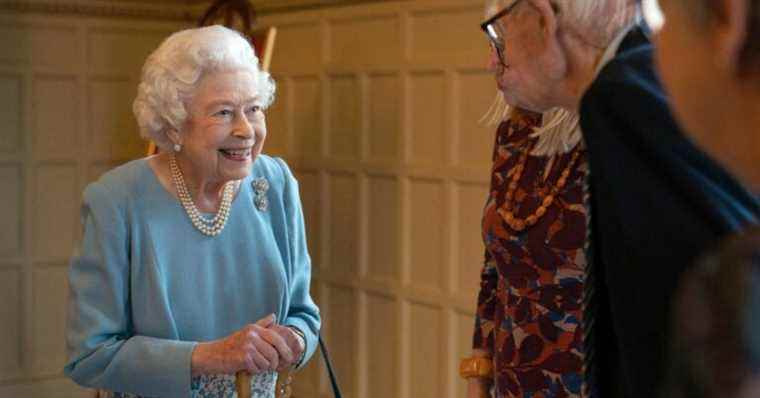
[330, 371]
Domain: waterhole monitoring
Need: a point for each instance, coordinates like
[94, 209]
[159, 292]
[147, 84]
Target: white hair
[599, 21]
[596, 21]
[172, 72]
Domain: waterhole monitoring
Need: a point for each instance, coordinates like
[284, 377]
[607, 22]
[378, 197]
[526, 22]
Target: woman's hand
[255, 348]
[294, 343]
[478, 388]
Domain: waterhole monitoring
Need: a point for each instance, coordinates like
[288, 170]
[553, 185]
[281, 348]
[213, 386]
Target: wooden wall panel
[67, 81]
[383, 101]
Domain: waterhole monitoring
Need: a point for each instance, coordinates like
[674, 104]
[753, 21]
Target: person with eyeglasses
[708, 54]
[597, 204]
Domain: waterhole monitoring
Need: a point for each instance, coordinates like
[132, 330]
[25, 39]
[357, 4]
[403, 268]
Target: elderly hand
[255, 348]
[295, 344]
[478, 388]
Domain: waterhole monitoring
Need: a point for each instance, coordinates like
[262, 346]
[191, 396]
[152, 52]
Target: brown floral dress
[529, 314]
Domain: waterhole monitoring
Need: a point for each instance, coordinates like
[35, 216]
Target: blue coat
[147, 286]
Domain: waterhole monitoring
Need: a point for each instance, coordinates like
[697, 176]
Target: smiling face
[225, 128]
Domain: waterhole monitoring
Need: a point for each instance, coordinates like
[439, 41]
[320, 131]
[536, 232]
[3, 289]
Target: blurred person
[578, 276]
[708, 54]
[716, 328]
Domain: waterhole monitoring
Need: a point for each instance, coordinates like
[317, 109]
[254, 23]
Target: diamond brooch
[260, 188]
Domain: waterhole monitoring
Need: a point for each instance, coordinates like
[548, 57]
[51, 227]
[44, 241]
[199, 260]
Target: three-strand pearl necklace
[208, 227]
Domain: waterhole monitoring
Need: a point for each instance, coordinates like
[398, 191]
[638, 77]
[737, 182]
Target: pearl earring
[177, 147]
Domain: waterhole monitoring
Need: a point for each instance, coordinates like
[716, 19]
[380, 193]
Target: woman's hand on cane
[291, 354]
[255, 348]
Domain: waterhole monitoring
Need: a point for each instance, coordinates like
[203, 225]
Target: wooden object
[243, 384]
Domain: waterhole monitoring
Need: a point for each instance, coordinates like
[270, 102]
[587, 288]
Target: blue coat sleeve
[103, 352]
[302, 313]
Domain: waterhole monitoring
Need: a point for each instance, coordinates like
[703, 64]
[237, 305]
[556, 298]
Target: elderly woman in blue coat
[194, 263]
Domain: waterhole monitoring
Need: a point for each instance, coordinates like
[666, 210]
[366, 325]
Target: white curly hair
[172, 72]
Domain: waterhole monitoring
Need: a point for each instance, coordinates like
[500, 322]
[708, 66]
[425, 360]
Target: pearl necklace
[209, 227]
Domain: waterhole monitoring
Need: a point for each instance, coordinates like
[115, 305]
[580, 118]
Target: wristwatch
[302, 337]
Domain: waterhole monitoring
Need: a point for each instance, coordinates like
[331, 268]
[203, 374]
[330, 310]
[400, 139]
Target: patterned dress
[221, 386]
[529, 314]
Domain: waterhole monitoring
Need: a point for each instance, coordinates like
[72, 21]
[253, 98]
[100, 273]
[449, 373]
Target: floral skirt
[263, 385]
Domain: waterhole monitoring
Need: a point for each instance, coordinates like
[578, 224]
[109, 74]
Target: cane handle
[243, 384]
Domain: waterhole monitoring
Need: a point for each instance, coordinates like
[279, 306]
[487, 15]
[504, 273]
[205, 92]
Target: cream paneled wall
[66, 87]
[377, 111]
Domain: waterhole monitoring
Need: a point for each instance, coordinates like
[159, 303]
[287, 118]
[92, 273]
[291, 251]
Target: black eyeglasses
[494, 32]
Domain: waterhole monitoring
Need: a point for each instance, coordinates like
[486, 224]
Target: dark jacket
[657, 202]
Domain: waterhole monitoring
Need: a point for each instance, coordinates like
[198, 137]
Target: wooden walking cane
[243, 377]
[243, 384]
[240, 15]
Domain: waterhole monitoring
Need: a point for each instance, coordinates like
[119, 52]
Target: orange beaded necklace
[507, 212]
